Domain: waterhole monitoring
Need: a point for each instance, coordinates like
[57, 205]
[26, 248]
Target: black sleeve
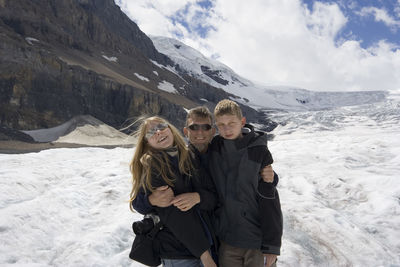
[141, 203]
[271, 224]
[267, 158]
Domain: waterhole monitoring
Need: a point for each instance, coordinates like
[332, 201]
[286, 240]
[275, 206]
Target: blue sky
[363, 22]
[318, 45]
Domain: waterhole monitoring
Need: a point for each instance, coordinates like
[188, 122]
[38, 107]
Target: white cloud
[381, 15]
[276, 42]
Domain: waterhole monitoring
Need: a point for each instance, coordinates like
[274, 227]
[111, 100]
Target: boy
[249, 217]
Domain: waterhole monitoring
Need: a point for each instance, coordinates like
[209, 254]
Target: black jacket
[249, 213]
[184, 234]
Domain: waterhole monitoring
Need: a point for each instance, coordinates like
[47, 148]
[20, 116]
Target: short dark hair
[199, 112]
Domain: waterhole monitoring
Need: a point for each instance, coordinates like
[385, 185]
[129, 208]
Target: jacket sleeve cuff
[267, 249]
[266, 190]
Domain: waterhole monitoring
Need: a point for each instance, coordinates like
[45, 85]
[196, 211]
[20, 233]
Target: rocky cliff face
[62, 58]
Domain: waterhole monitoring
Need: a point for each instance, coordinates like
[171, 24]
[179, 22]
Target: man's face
[200, 135]
[230, 126]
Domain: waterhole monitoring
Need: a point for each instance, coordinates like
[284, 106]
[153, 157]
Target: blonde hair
[227, 107]
[147, 159]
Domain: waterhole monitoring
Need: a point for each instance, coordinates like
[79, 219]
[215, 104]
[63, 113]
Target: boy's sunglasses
[196, 127]
[154, 129]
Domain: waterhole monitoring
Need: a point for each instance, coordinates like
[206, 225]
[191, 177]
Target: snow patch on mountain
[111, 59]
[142, 77]
[167, 86]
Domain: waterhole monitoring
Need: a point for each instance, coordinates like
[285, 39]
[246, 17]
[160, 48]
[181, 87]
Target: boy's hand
[186, 201]
[269, 259]
[267, 174]
[161, 197]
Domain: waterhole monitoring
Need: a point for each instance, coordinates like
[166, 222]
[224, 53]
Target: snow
[167, 86]
[142, 77]
[155, 72]
[66, 207]
[338, 185]
[339, 189]
[30, 40]
[157, 64]
[111, 59]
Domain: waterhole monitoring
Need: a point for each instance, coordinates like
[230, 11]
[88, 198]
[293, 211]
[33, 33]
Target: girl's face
[159, 135]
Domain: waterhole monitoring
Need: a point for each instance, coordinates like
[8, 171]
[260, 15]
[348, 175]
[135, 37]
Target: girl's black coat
[183, 235]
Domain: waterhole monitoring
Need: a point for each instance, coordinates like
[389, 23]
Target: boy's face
[230, 126]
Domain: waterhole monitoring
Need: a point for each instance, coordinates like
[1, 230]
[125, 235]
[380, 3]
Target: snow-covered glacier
[339, 189]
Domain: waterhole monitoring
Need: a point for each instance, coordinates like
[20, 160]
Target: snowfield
[339, 189]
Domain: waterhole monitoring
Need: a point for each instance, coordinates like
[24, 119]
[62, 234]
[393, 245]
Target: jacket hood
[251, 138]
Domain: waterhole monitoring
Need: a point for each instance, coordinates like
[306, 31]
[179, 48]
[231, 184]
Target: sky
[342, 45]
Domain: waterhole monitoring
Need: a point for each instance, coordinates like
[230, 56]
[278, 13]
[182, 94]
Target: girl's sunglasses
[196, 127]
[159, 127]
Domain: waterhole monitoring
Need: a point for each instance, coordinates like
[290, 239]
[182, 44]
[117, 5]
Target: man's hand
[267, 174]
[161, 197]
[269, 259]
[186, 201]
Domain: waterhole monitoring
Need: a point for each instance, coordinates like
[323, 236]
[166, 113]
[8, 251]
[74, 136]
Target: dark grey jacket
[235, 166]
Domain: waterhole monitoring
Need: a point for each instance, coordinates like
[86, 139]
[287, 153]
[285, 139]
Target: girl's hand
[186, 201]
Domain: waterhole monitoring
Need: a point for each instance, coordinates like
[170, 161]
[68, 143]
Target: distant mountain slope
[65, 58]
[257, 96]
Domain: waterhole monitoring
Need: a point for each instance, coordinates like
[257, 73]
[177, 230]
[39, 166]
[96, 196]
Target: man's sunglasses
[196, 127]
[153, 130]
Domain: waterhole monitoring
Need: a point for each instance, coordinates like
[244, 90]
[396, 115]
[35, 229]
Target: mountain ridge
[66, 58]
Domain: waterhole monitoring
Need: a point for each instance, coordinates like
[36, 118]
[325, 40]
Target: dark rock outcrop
[63, 58]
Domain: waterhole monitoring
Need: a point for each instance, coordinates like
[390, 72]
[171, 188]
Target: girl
[162, 159]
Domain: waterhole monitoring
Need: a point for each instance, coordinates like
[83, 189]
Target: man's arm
[205, 194]
[271, 224]
[269, 176]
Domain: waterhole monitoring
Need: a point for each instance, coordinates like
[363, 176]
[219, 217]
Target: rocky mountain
[64, 58]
